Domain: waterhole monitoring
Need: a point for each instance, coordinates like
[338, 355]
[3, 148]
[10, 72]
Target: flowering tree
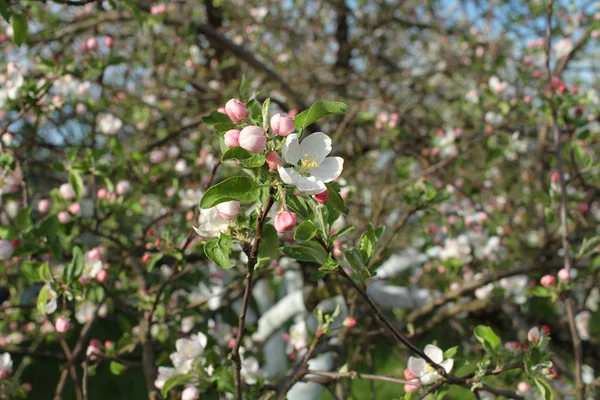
[182, 216]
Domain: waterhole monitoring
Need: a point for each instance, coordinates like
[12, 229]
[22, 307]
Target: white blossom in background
[5, 365]
[582, 322]
[496, 85]
[51, 303]
[109, 124]
[514, 287]
[563, 47]
[86, 310]
[425, 372]
[11, 83]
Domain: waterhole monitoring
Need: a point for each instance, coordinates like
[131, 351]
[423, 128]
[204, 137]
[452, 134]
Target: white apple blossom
[190, 197]
[109, 124]
[514, 287]
[5, 365]
[51, 303]
[425, 372]
[192, 347]
[582, 322]
[563, 47]
[210, 223]
[250, 370]
[497, 85]
[310, 167]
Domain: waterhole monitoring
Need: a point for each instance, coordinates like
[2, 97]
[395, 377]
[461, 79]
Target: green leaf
[265, 114]
[451, 352]
[307, 251]
[4, 10]
[76, 182]
[255, 111]
[269, 244]
[487, 337]
[44, 273]
[354, 258]
[49, 227]
[335, 200]
[544, 388]
[239, 188]
[23, 220]
[368, 243]
[317, 275]
[305, 231]
[216, 117]
[298, 205]
[153, 261]
[246, 158]
[344, 231]
[224, 379]
[43, 299]
[539, 291]
[330, 265]
[116, 368]
[177, 380]
[8, 233]
[20, 29]
[75, 267]
[322, 219]
[218, 251]
[317, 111]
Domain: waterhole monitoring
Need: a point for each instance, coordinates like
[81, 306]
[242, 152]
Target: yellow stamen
[307, 163]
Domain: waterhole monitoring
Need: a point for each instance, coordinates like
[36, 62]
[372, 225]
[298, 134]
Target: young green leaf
[317, 111]
[487, 337]
[269, 245]
[236, 188]
[218, 251]
[307, 251]
[20, 29]
[305, 231]
[335, 200]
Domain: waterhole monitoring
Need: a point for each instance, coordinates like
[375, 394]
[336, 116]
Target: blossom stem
[252, 260]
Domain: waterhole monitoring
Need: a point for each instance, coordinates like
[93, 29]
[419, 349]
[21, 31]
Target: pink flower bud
[66, 191]
[408, 375]
[285, 221]
[6, 249]
[190, 393]
[108, 344]
[75, 208]
[64, 217]
[408, 388]
[523, 387]
[533, 335]
[231, 138]
[229, 210]
[101, 275]
[123, 187]
[563, 275]
[349, 322]
[44, 206]
[108, 41]
[555, 177]
[322, 197]
[546, 330]
[282, 124]
[92, 44]
[583, 207]
[273, 160]
[236, 110]
[62, 325]
[253, 139]
[102, 193]
[548, 280]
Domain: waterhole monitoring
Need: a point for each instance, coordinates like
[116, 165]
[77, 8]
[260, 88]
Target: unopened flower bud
[548, 280]
[253, 139]
[64, 217]
[92, 44]
[62, 325]
[44, 206]
[349, 322]
[282, 124]
[563, 275]
[229, 210]
[533, 335]
[123, 187]
[231, 138]
[322, 197]
[285, 221]
[236, 110]
[66, 191]
[273, 160]
[190, 393]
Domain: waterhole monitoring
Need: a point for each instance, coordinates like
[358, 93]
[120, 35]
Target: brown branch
[252, 260]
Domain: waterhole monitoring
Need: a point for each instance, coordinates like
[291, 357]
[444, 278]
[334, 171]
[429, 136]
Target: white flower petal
[428, 379]
[202, 339]
[329, 169]
[285, 174]
[290, 152]
[309, 185]
[318, 144]
[447, 365]
[417, 366]
[435, 353]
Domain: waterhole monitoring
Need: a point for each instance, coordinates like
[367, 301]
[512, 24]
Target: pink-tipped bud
[408, 375]
[66, 191]
[190, 393]
[62, 325]
[102, 193]
[282, 124]
[563, 275]
[527, 99]
[44, 206]
[548, 280]
[101, 275]
[322, 197]
[546, 330]
[285, 221]
[555, 177]
[229, 210]
[92, 44]
[75, 208]
[108, 41]
[123, 187]
[408, 388]
[236, 110]
[64, 217]
[533, 335]
[523, 387]
[273, 160]
[583, 207]
[108, 344]
[253, 139]
[349, 322]
[231, 138]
